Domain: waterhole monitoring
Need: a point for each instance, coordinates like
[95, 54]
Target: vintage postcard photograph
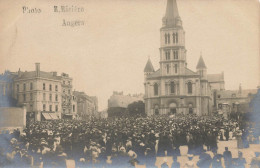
[129, 83]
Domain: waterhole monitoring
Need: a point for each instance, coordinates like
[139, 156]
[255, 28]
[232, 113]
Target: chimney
[37, 69]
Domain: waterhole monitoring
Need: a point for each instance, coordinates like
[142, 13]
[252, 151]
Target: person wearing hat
[175, 163]
[227, 155]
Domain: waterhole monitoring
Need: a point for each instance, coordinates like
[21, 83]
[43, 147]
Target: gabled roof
[235, 93]
[189, 72]
[215, 77]
[201, 64]
[149, 66]
[155, 74]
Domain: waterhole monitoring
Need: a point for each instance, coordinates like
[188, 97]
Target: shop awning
[50, 116]
[54, 116]
[47, 116]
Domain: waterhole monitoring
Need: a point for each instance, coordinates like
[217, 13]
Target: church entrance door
[156, 110]
[172, 107]
[173, 111]
[190, 111]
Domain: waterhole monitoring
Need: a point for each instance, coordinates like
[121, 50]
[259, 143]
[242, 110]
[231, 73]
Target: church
[174, 88]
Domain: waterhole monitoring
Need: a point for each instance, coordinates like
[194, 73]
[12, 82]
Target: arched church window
[167, 55]
[175, 54]
[189, 88]
[169, 39]
[168, 68]
[165, 37]
[173, 37]
[172, 86]
[155, 88]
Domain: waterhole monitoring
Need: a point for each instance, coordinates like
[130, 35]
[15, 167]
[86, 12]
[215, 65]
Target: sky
[110, 51]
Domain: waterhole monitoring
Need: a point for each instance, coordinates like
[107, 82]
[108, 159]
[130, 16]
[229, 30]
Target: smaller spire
[149, 66]
[201, 63]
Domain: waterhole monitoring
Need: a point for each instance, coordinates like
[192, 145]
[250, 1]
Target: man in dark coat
[227, 133]
[227, 158]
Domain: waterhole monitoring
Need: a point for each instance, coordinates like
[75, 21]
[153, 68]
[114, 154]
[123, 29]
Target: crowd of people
[117, 142]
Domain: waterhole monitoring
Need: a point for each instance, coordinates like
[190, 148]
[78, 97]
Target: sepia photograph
[130, 84]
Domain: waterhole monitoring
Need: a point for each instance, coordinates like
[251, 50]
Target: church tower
[172, 49]
[174, 88]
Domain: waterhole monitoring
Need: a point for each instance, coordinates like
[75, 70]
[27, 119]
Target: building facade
[86, 105]
[235, 101]
[45, 94]
[41, 93]
[69, 101]
[118, 99]
[174, 88]
[6, 89]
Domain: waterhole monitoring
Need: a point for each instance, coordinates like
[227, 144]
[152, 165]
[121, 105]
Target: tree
[116, 112]
[136, 108]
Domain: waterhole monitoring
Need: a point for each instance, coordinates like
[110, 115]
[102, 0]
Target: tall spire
[172, 14]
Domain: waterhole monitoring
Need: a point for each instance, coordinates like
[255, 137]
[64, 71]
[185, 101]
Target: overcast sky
[109, 53]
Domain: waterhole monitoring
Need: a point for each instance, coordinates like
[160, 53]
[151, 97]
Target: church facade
[174, 88]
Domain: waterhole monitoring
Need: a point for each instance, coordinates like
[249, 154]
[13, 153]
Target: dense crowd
[114, 142]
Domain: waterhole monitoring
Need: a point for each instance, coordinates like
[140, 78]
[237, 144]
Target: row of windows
[50, 107]
[24, 87]
[50, 87]
[168, 55]
[44, 97]
[167, 38]
[64, 82]
[73, 109]
[168, 68]
[24, 97]
[172, 88]
[50, 97]
[64, 91]
[31, 87]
